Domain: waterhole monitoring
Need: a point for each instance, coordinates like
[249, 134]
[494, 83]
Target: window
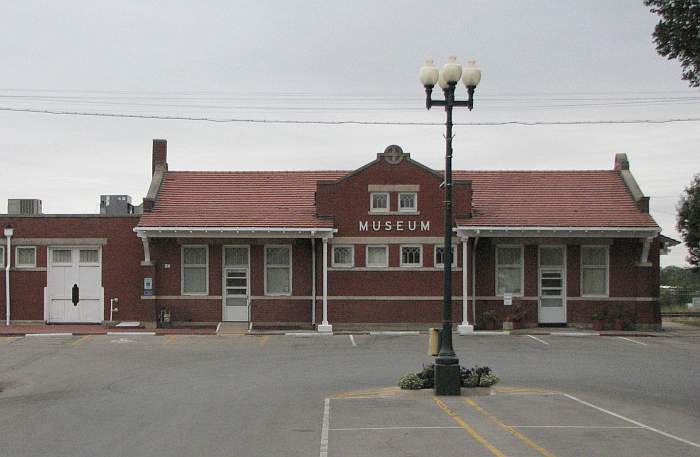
[89, 256]
[411, 256]
[61, 257]
[594, 270]
[2, 257]
[509, 270]
[25, 257]
[408, 201]
[379, 202]
[377, 256]
[439, 257]
[343, 256]
[278, 270]
[236, 256]
[195, 270]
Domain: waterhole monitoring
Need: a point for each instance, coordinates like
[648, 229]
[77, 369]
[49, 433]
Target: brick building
[304, 249]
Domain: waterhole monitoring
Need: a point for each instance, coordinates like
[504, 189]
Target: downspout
[313, 281]
[476, 241]
[8, 233]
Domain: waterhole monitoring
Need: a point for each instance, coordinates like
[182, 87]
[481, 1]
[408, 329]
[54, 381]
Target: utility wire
[340, 122]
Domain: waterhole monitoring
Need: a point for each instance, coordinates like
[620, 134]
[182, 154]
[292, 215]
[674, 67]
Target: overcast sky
[330, 60]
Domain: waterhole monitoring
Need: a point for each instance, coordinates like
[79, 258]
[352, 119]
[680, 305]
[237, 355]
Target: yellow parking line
[169, 339]
[81, 340]
[263, 340]
[531, 444]
[473, 433]
[9, 339]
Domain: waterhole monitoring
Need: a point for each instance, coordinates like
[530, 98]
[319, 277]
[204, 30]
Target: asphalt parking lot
[333, 396]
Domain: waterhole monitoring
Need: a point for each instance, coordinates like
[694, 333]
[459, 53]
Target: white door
[552, 285]
[235, 295]
[75, 266]
[236, 284]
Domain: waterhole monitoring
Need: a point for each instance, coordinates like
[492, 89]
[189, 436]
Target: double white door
[552, 285]
[69, 267]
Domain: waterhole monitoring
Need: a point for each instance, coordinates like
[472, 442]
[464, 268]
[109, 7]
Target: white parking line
[626, 419]
[537, 339]
[578, 426]
[49, 334]
[352, 340]
[631, 340]
[131, 333]
[324, 427]
[353, 429]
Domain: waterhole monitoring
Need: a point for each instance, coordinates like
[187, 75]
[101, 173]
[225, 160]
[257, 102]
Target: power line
[340, 122]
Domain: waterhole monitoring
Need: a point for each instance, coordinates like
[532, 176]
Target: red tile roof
[552, 199]
[238, 199]
[500, 198]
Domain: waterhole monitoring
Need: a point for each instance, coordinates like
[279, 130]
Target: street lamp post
[447, 379]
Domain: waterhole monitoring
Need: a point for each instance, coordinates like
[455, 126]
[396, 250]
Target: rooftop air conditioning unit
[23, 206]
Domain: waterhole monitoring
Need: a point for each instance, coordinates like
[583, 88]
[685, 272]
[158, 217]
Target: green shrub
[427, 376]
[488, 380]
[478, 377]
[410, 381]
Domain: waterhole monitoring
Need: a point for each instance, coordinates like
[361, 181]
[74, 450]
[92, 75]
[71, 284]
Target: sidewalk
[78, 329]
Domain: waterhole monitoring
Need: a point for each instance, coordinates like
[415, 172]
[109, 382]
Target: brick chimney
[621, 162]
[160, 155]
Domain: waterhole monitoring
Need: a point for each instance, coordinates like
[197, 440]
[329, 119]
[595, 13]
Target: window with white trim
[278, 270]
[377, 256]
[195, 270]
[343, 256]
[379, 202]
[61, 257]
[25, 257]
[2, 256]
[408, 201]
[594, 271]
[439, 255]
[411, 256]
[89, 257]
[509, 270]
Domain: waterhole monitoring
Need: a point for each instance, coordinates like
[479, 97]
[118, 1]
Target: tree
[677, 35]
[689, 221]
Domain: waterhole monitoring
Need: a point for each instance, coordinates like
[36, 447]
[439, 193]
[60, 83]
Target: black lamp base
[447, 380]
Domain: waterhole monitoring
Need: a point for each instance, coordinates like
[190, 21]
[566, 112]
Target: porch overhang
[235, 232]
[557, 232]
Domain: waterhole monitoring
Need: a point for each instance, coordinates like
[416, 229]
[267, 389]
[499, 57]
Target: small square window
[439, 256]
[91, 256]
[61, 257]
[411, 256]
[408, 201]
[377, 256]
[343, 256]
[379, 202]
[25, 257]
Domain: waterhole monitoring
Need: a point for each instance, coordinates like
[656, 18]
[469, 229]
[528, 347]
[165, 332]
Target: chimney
[160, 155]
[621, 162]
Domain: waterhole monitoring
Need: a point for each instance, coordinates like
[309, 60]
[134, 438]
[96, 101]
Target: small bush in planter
[410, 381]
[427, 376]
[487, 320]
[478, 377]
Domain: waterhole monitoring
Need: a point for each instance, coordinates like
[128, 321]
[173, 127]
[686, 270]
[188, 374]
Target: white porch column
[325, 326]
[465, 327]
